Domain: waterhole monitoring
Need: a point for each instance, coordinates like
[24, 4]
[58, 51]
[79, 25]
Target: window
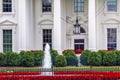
[7, 5]
[79, 44]
[111, 38]
[7, 40]
[79, 5]
[46, 5]
[47, 37]
[111, 5]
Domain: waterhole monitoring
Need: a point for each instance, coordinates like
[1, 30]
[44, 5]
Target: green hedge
[26, 58]
[12, 59]
[102, 53]
[53, 53]
[117, 57]
[84, 57]
[109, 59]
[38, 58]
[60, 61]
[69, 53]
[2, 59]
[71, 58]
[94, 59]
[72, 61]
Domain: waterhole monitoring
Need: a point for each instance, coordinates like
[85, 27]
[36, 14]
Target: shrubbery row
[69, 58]
[30, 59]
[100, 58]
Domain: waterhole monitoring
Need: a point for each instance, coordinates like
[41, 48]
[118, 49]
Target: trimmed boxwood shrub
[69, 53]
[2, 59]
[38, 58]
[84, 57]
[12, 59]
[71, 58]
[26, 58]
[117, 52]
[60, 61]
[72, 61]
[54, 53]
[109, 59]
[94, 59]
[102, 53]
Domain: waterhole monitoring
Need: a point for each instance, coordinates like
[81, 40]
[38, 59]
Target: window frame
[81, 2]
[46, 11]
[108, 43]
[107, 9]
[79, 43]
[44, 43]
[6, 6]
[8, 43]
[7, 13]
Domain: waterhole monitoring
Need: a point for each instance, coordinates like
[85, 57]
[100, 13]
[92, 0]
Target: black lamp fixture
[77, 26]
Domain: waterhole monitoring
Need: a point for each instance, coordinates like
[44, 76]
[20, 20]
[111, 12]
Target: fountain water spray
[47, 62]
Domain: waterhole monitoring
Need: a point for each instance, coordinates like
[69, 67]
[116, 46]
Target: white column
[22, 25]
[57, 26]
[91, 25]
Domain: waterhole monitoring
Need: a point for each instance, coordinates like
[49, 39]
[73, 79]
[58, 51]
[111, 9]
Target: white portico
[32, 23]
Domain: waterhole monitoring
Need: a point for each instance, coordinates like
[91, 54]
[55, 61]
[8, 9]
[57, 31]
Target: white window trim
[13, 28]
[39, 37]
[79, 37]
[7, 13]
[106, 26]
[111, 12]
[47, 13]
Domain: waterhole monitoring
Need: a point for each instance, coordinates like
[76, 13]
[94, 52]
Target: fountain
[47, 62]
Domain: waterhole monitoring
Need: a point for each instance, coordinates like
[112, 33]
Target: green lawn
[81, 68]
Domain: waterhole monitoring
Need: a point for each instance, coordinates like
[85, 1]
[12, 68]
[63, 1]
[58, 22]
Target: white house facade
[64, 24]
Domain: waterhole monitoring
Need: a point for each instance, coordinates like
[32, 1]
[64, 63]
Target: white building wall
[9, 21]
[106, 20]
[70, 21]
[42, 21]
[27, 22]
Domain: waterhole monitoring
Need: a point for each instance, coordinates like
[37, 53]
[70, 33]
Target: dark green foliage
[72, 61]
[38, 58]
[94, 59]
[54, 53]
[84, 57]
[27, 58]
[109, 59]
[60, 61]
[71, 58]
[2, 59]
[102, 53]
[69, 53]
[12, 59]
[117, 57]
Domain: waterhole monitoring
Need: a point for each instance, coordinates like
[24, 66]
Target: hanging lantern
[77, 27]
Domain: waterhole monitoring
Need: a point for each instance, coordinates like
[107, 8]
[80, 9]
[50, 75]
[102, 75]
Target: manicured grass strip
[81, 68]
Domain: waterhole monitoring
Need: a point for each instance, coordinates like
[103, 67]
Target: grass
[69, 68]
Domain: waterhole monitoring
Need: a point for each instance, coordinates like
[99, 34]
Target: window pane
[7, 40]
[79, 44]
[111, 5]
[7, 5]
[47, 37]
[79, 5]
[112, 38]
[46, 5]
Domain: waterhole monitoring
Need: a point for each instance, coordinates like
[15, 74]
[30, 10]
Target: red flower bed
[78, 51]
[60, 76]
